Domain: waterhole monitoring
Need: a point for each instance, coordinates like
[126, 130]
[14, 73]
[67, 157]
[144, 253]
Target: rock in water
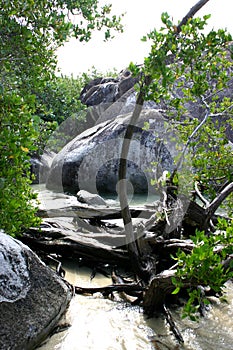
[32, 296]
[90, 198]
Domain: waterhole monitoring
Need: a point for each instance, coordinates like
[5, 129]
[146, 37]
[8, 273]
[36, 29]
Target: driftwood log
[95, 236]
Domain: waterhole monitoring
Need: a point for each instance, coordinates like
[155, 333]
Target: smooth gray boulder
[90, 198]
[90, 161]
[32, 297]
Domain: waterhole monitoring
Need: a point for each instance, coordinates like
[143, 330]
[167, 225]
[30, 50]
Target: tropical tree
[185, 58]
[59, 105]
[30, 33]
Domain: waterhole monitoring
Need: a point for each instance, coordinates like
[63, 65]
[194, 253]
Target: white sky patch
[140, 18]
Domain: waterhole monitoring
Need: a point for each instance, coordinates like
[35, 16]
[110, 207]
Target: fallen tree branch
[199, 195]
[131, 296]
[90, 212]
[109, 289]
[160, 286]
[172, 324]
[214, 205]
[75, 246]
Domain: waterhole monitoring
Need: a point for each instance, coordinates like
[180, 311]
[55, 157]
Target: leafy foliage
[186, 68]
[30, 33]
[17, 138]
[204, 266]
[60, 115]
[59, 101]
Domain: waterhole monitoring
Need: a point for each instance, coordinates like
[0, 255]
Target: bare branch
[213, 206]
[200, 196]
[191, 13]
[127, 287]
[172, 324]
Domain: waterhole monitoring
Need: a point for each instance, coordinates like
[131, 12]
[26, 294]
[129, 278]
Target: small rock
[90, 198]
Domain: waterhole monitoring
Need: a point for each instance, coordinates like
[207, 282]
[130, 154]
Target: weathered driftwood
[93, 239]
[172, 324]
[160, 286]
[126, 287]
[85, 211]
[96, 241]
[76, 246]
[194, 217]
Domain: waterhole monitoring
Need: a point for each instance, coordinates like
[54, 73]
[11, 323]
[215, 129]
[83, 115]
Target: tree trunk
[142, 267]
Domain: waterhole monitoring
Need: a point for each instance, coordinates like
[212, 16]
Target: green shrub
[17, 137]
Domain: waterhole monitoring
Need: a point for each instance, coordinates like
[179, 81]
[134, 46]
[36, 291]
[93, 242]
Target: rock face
[90, 198]
[107, 90]
[32, 296]
[107, 98]
[112, 97]
[90, 161]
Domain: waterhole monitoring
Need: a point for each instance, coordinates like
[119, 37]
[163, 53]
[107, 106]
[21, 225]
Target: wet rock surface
[32, 296]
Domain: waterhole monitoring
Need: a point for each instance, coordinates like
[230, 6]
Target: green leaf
[206, 17]
[176, 291]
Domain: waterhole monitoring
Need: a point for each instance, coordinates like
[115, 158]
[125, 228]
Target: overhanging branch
[214, 205]
[191, 13]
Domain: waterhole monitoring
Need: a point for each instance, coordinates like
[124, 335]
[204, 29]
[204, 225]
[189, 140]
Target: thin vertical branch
[131, 240]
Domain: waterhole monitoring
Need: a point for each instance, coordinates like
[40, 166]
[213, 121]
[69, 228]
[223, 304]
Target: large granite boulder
[32, 297]
[101, 94]
[90, 162]
[112, 97]
[107, 90]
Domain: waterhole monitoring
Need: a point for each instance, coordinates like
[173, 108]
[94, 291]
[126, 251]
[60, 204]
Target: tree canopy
[30, 33]
[187, 65]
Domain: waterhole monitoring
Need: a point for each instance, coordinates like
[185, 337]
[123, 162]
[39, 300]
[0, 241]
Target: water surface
[97, 323]
[101, 324]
